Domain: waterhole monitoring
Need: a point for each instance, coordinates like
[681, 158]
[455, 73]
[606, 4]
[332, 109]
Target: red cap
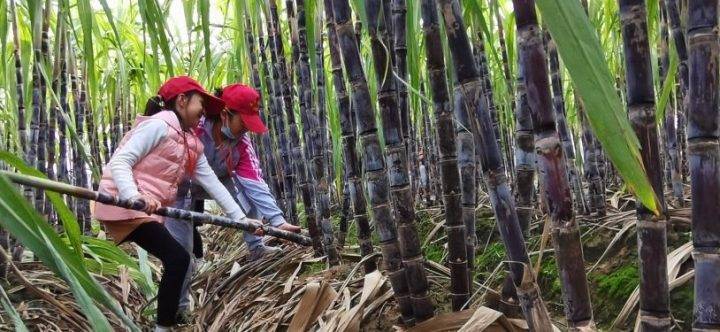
[183, 84]
[244, 100]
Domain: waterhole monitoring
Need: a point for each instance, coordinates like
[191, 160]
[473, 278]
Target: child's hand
[258, 226]
[151, 204]
[290, 227]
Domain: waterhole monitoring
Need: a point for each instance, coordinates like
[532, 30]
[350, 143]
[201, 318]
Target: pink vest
[159, 172]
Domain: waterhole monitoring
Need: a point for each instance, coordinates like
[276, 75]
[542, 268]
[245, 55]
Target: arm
[145, 137]
[248, 178]
[205, 176]
[259, 194]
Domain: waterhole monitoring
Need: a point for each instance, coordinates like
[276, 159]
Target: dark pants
[156, 240]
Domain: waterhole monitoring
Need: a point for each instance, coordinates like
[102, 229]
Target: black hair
[156, 104]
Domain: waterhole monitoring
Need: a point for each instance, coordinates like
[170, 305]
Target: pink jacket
[249, 166]
[159, 172]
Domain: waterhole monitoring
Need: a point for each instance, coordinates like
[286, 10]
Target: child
[230, 153]
[149, 164]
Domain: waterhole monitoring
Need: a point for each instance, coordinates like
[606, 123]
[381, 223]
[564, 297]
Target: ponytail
[154, 105]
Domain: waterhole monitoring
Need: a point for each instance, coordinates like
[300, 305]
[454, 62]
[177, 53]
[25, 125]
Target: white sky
[176, 17]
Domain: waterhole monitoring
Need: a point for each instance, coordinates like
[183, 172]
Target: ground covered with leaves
[295, 290]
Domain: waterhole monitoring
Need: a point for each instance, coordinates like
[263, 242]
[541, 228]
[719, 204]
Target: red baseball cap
[244, 100]
[182, 84]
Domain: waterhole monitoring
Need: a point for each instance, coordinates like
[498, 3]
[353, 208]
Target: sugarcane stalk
[672, 161]
[22, 123]
[596, 186]
[373, 158]
[289, 141]
[82, 208]
[401, 194]
[267, 157]
[704, 159]
[561, 123]
[678, 37]
[319, 194]
[552, 169]
[471, 101]
[275, 174]
[353, 169]
[651, 228]
[203, 218]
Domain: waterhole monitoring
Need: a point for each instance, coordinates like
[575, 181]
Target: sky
[176, 17]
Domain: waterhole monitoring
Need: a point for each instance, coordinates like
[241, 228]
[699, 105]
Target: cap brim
[253, 123]
[213, 105]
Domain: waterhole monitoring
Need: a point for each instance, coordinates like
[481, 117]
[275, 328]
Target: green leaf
[34, 233]
[668, 85]
[204, 9]
[10, 310]
[70, 224]
[580, 49]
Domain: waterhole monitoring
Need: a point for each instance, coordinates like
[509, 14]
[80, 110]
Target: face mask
[228, 133]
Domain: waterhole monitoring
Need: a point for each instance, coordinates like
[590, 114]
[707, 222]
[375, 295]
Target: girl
[232, 157]
[148, 165]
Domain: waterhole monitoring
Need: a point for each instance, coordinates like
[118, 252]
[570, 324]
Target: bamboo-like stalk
[524, 172]
[325, 148]
[318, 190]
[566, 136]
[428, 147]
[267, 158]
[82, 207]
[64, 172]
[376, 178]
[456, 229]
[651, 234]
[553, 170]
[289, 141]
[671, 135]
[401, 194]
[481, 59]
[38, 124]
[345, 215]
[524, 155]
[678, 36]
[20, 98]
[704, 159]
[298, 149]
[191, 216]
[508, 136]
[276, 178]
[398, 17]
[594, 165]
[348, 129]
[596, 186]
[491, 161]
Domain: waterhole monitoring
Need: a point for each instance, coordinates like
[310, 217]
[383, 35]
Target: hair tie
[160, 101]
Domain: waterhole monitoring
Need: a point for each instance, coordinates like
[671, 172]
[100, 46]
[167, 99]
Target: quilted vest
[159, 172]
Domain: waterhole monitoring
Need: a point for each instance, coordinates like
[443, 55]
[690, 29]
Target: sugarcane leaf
[85, 13]
[580, 49]
[10, 310]
[204, 10]
[668, 85]
[34, 233]
[145, 270]
[94, 316]
[70, 224]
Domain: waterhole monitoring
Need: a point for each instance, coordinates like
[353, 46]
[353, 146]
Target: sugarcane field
[359, 165]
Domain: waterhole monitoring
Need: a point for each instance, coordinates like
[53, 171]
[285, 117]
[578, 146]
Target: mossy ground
[611, 282]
